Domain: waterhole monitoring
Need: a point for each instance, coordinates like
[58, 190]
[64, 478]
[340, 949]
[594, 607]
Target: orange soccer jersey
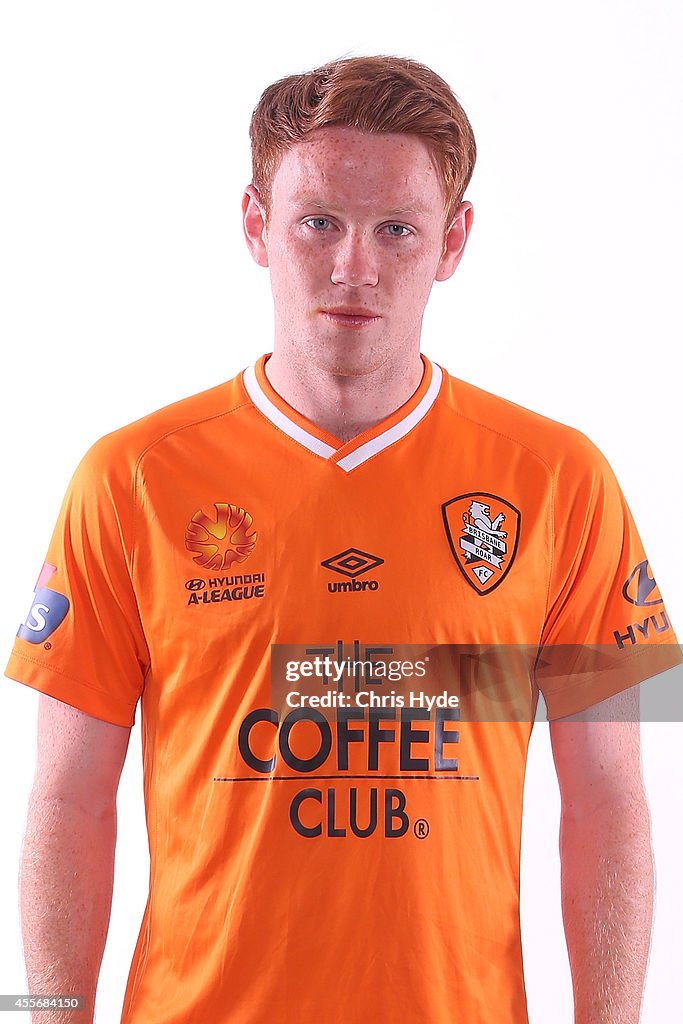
[357, 861]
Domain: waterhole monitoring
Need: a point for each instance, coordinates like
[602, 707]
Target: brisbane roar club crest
[217, 542]
[483, 531]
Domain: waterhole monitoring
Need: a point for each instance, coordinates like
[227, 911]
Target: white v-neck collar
[368, 448]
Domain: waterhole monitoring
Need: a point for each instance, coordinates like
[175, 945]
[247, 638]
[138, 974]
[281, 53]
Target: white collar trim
[314, 444]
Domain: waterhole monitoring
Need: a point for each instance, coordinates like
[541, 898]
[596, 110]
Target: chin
[347, 364]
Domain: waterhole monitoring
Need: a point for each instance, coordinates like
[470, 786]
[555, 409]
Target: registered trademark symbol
[48, 646]
[421, 828]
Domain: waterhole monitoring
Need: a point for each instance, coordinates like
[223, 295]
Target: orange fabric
[359, 886]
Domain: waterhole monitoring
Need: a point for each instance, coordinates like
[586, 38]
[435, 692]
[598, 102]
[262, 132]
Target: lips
[350, 316]
[351, 311]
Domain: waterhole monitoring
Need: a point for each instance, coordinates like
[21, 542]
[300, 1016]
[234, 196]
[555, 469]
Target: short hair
[373, 94]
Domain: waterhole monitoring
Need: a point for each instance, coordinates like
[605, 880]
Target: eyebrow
[394, 211]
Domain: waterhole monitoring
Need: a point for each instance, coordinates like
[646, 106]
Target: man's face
[356, 224]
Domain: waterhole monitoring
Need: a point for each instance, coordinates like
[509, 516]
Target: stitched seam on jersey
[409, 433]
[573, 573]
[579, 553]
[633, 652]
[271, 423]
[278, 415]
[65, 675]
[131, 572]
[387, 447]
[330, 457]
[499, 433]
[400, 424]
[297, 440]
[158, 440]
[186, 426]
[553, 534]
[551, 473]
[136, 503]
[663, 642]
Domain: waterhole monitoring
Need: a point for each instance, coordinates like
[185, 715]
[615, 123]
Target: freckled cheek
[306, 261]
[410, 273]
[297, 276]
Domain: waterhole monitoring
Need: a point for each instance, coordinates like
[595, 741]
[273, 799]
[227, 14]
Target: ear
[454, 243]
[254, 224]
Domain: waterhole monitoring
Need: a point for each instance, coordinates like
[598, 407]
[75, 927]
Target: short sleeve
[606, 626]
[82, 641]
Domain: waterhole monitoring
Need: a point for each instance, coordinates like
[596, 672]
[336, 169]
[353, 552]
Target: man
[345, 500]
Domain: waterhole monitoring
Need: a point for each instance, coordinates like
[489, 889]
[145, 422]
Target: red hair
[373, 94]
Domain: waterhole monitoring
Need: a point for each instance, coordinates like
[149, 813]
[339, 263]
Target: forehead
[346, 164]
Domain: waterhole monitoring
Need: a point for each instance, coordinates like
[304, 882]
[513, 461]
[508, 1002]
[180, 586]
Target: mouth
[349, 316]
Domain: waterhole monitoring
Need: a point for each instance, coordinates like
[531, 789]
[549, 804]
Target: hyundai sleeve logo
[640, 586]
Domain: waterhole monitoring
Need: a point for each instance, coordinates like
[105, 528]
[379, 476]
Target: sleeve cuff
[55, 684]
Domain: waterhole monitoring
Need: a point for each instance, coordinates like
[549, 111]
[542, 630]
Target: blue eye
[400, 227]
[318, 223]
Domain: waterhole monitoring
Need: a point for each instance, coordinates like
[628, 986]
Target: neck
[344, 404]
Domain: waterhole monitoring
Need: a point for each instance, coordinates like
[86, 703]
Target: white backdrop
[126, 285]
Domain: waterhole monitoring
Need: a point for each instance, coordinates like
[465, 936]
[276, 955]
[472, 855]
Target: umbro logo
[352, 562]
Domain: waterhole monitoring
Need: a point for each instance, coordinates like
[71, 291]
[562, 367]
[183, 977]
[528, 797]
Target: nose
[355, 261]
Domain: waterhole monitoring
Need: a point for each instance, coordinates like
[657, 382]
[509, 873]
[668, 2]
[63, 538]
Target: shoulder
[117, 455]
[564, 450]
